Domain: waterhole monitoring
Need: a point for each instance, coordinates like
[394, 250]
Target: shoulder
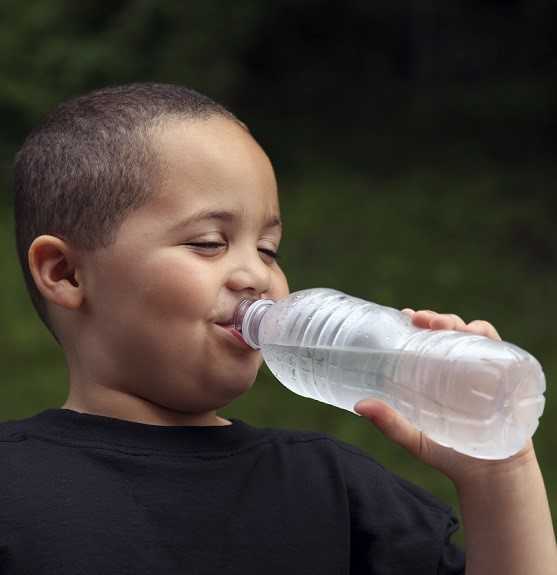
[363, 476]
[319, 449]
[15, 459]
[17, 448]
[311, 440]
[12, 431]
[325, 443]
[14, 435]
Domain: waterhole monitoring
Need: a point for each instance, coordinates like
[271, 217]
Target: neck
[120, 405]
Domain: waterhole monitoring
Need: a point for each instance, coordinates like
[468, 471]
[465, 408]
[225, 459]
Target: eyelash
[209, 245]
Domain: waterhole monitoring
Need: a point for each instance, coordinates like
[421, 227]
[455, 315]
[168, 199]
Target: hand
[454, 465]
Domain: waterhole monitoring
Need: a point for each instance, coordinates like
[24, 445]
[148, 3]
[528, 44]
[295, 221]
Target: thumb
[393, 425]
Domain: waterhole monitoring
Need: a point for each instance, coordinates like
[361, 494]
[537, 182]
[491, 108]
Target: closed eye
[207, 245]
[217, 245]
[269, 253]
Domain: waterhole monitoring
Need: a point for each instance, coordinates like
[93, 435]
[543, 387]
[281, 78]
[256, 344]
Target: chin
[233, 388]
[215, 395]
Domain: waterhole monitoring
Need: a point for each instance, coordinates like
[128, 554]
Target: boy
[144, 213]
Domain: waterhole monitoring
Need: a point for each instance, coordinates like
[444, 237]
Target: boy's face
[159, 298]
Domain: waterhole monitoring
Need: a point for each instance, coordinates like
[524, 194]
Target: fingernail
[356, 406]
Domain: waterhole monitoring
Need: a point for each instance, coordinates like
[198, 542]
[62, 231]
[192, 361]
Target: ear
[52, 262]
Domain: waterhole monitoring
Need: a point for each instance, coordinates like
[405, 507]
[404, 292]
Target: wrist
[490, 473]
[506, 517]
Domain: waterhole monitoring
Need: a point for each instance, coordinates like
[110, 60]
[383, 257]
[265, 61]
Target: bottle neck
[253, 314]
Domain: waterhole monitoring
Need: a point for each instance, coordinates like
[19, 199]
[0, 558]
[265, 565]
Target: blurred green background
[412, 143]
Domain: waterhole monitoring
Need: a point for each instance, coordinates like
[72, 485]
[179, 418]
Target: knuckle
[481, 326]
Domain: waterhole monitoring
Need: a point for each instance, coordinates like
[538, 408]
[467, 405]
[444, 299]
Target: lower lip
[235, 336]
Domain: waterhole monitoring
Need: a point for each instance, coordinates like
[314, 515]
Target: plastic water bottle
[476, 395]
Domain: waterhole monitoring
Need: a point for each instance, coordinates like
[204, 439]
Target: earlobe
[52, 262]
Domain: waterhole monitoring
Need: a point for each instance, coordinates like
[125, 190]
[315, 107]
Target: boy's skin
[139, 325]
[138, 320]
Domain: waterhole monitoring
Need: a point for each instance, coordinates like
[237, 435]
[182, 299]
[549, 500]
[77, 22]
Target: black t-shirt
[85, 494]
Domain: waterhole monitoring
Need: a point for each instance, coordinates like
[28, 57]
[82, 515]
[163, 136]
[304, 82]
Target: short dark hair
[90, 163]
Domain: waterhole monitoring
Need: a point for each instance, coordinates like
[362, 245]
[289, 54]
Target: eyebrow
[223, 216]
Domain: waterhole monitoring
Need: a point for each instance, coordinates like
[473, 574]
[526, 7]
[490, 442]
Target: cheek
[177, 289]
[279, 287]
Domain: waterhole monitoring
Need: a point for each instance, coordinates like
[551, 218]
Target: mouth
[233, 334]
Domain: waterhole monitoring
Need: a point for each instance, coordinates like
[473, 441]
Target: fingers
[393, 425]
[432, 320]
[428, 319]
[482, 327]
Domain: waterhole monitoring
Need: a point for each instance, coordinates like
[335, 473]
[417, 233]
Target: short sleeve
[397, 527]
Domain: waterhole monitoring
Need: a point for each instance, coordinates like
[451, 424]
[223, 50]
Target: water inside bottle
[465, 407]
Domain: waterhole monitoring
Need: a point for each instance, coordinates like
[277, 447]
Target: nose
[250, 273]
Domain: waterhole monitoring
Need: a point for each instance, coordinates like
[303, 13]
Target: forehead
[213, 160]
[209, 152]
